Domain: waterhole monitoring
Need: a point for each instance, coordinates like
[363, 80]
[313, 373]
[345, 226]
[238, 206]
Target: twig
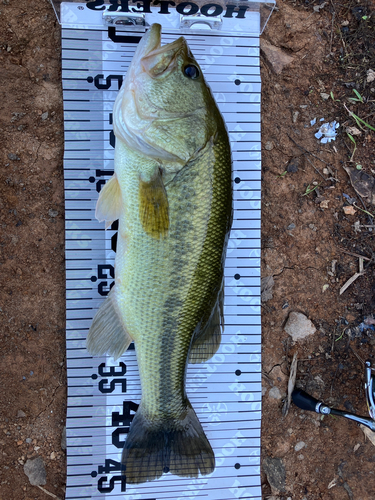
[48, 492]
[354, 254]
[353, 278]
[314, 167]
[333, 20]
[291, 384]
[306, 151]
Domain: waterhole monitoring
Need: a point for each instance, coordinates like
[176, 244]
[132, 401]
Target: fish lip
[150, 41]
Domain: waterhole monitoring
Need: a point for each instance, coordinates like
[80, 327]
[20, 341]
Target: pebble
[268, 146]
[21, 414]
[29, 440]
[299, 326]
[35, 471]
[291, 226]
[53, 213]
[275, 56]
[299, 446]
[275, 472]
[324, 96]
[275, 393]
[12, 156]
[63, 439]
[295, 116]
[45, 115]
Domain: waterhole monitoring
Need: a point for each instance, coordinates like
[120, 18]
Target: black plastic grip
[304, 400]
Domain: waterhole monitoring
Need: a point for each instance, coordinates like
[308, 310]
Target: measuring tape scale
[225, 391]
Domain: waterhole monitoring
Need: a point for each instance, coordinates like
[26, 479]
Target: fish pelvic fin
[107, 332]
[109, 205]
[180, 447]
[153, 206]
[206, 340]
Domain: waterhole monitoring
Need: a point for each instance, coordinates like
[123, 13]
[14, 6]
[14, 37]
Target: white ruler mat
[103, 394]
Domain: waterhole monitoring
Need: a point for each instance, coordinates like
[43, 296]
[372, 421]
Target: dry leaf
[353, 131]
[363, 183]
[370, 75]
[349, 210]
[368, 433]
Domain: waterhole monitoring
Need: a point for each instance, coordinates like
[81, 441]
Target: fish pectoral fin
[207, 339]
[109, 205]
[153, 206]
[107, 332]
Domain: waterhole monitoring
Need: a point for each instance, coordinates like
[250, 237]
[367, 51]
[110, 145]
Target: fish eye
[191, 71]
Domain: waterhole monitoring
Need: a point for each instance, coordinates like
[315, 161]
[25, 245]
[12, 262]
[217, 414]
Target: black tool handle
[304, 400]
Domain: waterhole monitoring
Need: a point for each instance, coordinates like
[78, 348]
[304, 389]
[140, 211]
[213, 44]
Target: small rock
[267, 284]
[275, 57]
[295, 116]
[35, 471]
[291, 226]
[317, 8]
[293, 165]
[52, 456]
[300, 457]
[21, 414]
[28, 440]
[53, 213]
[324, 96]
[63, 439]
[275, 472]
[268, 146]
[45, 115]
[275, 393]
[299, 446]
[14, 157]
[299, 326]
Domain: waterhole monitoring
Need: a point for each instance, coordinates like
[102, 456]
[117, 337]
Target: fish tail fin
[180, 447]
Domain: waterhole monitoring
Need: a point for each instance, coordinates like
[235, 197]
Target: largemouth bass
[171, 192]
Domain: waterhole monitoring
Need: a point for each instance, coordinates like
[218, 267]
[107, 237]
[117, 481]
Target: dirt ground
[310, 247]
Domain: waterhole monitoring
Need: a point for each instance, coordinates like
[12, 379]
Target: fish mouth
[150, 41]
[155, 59]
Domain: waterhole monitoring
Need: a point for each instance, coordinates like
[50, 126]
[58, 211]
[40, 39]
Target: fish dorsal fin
[107, 332]
[153, 206]
[207, 339]
[109, 205]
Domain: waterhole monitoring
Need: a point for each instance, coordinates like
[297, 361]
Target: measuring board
[103, 394]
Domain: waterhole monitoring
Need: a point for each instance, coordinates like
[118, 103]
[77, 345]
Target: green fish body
[171, 192]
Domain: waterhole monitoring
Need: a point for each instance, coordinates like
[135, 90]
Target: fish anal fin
[107, 332]
[109, 205]
[153, 448]
[153, 206]
[207, 339]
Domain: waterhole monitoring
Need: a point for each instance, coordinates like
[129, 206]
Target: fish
[171, 192]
